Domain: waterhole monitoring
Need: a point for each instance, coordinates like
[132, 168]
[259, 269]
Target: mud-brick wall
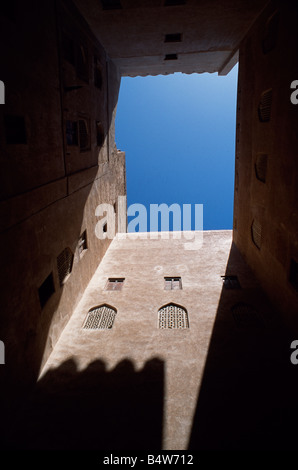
[58, 163]
[266, 194]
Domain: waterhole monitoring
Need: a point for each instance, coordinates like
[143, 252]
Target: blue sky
[178, 133]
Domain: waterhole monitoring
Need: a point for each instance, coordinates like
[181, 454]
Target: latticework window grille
[64, 264]
[173, 317]
[264, 109]
[261, 167]
[82, 245]
[100, 318]
[256, 233]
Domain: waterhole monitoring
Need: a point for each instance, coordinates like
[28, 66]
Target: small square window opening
[173, 283]
[176, 37]
[115, 283]
[171, 57]
[231, 282]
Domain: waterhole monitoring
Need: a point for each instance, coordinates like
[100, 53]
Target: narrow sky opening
[178, 133]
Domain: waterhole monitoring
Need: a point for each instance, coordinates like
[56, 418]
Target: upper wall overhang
[134, 35]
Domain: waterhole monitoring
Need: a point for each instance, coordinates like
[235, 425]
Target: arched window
[172, 316]
[100, 318]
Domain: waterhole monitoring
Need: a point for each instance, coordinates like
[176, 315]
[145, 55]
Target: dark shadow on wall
[248, 395]
[92, 409]
[48, 188]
